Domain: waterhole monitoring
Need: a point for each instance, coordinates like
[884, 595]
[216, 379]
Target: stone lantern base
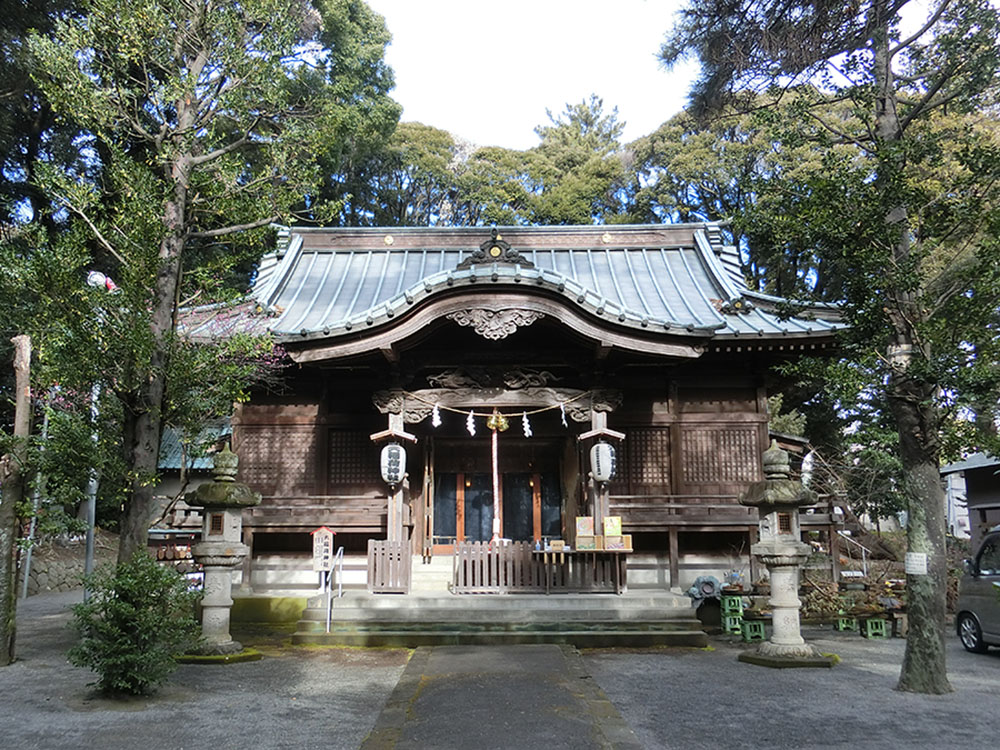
[815, 660]
[218, 559]
[784, 559]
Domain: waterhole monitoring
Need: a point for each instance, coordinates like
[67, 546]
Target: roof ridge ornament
[734, 306]
[495, 250]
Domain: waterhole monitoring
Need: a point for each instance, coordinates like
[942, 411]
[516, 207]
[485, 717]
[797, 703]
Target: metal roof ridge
[775, 298]
[279, 275]
[704, 247]
[531, 228]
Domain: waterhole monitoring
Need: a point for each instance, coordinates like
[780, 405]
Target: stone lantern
[220, 549]
[778, 499]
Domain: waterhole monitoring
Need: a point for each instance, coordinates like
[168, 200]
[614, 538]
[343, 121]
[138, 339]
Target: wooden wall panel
[353, 461]
[278, 459]
[644, 462]
[719, 459]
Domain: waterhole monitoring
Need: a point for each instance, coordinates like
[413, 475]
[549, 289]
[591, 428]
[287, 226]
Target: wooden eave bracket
[601, 432]
[393, 434]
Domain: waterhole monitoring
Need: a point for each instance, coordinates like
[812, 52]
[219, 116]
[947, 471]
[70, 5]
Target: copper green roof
[645, 280]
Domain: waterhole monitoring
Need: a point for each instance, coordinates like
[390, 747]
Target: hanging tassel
[562, 414]
[470, 424]
[526, 424]
[436, 416]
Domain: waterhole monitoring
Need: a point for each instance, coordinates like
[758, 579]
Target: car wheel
[971, 634]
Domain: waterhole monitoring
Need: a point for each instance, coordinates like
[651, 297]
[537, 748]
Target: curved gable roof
[674, 281]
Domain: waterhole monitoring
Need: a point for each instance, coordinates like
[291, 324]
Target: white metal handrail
[864, 550]
[338, 565]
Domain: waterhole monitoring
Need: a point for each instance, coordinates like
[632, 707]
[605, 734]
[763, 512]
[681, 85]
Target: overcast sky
[487, 71]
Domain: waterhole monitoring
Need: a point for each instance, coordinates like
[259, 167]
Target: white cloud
[488, 71]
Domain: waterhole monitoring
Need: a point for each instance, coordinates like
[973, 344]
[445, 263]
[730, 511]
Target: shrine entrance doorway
[531, 496]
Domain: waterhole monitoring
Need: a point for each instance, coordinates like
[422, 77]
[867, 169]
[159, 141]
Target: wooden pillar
[754, 534]
[598, 423]
[834, 553]
[675, 567]
[395, 532]
[248, 559]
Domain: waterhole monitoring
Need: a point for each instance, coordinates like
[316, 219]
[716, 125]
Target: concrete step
[338, 626]
[449, 634]
[361, 607]
[661, 600]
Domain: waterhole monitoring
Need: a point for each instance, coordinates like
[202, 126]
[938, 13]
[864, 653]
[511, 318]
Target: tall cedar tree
[891, 237]
[214, 111]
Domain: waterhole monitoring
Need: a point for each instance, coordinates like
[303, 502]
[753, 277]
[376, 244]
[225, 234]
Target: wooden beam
[388, 434]
[674, 557]
[603, 432]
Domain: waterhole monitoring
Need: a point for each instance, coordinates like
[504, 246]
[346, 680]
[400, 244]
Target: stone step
[360, 607]
[449, 634]
[493, 626]
[504, 602]
[486, 616]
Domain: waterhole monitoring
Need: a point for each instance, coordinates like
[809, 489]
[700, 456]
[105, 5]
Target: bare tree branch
[923, 29]
[222, 231]
[93, 228]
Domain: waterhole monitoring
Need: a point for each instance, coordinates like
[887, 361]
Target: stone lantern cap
[223, 491]
[778, 488]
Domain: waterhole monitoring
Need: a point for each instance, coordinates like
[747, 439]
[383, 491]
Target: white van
[978, 616]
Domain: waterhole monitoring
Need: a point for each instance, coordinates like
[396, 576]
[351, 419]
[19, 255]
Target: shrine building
[496, 360]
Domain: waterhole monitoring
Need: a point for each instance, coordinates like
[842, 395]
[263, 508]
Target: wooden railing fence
[482, 568]
[515, 567]
[389, 567]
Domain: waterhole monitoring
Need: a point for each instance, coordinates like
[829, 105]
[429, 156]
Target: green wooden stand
[845, 623]
[753, 630]
[873, 628]
[731, 605]
[732, 624]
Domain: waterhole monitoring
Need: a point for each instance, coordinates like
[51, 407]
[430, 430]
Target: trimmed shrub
[139, 617]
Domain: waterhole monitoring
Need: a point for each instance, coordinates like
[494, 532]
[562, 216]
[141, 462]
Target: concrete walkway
[519, 696]
[493, 698]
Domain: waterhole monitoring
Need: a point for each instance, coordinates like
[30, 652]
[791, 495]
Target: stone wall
[58, 565]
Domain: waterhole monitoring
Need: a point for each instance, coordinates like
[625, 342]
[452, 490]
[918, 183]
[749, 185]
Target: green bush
[138, 618]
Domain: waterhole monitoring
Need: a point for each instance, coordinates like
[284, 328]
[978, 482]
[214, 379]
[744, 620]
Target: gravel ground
[694, 699]
[670, 698]
[293, 698]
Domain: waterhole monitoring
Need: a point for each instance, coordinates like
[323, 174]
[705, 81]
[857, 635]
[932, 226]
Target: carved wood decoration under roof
[495, 324]
[415, 406]
[670, 291]
[491, 377]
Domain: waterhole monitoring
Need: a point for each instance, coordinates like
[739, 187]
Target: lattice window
[646, 460]
[278, 460]
[720, 455]
[353, 460]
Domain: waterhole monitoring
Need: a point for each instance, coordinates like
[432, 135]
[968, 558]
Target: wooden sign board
[323, 548]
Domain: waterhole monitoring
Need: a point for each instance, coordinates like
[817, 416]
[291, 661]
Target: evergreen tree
[915, 245]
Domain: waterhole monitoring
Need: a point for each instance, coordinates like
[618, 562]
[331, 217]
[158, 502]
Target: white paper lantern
[602, 461]
[393, 463]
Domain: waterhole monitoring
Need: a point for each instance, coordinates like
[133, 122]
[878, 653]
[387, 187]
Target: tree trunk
[145, 450]
[13, 491]
[911, 400]
[924, 668]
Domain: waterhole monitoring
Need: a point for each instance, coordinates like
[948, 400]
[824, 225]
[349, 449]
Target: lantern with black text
[602, 461]
[393, 464]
